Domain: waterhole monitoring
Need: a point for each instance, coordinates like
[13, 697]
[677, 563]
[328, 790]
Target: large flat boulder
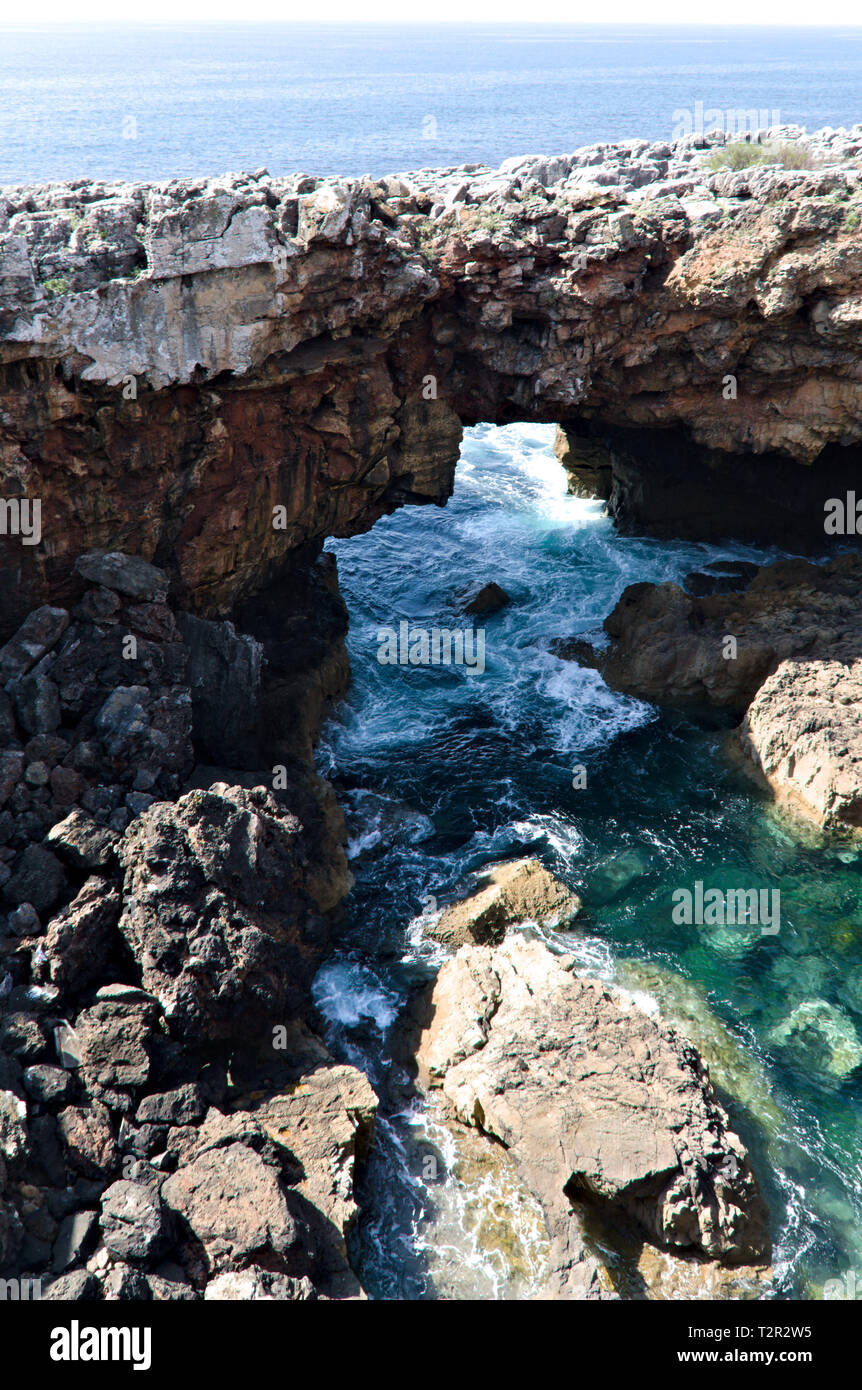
[597, 1102]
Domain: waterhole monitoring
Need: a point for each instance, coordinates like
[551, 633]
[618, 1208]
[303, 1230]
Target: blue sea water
[139, 101]
[447, 771]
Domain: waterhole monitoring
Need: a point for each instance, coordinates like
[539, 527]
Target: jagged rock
[79, 938]
[88, 1140]
[122, 1283]
[37, 704]
[186, 1105]
[323, 1112]
[48, 1085]
[135, 1225]
[523, 891]
[491, 598]
[256, 1284]
[39, 632]
[82, 842]
[13, 1127]
[300, 624]
[793, 661]
[595, 1100]
[171, 1289]
[114, 1039]
[218, 913]
[21, 1036]
[78, 1286]
[224, 674]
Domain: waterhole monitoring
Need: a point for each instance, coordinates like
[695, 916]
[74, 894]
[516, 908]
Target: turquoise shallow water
[449, 771]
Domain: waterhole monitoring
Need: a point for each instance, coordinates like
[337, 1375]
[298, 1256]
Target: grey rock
[135, 1224]
[78, 1286]
[35, 637]
[125, 574]
[48, 1085]
[75, 1239]
[38, 879]
[183, 1106]
[122, 1283]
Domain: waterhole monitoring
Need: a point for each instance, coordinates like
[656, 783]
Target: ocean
[156, 102]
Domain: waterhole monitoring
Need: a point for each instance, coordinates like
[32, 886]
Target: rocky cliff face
[216, 374]
[780, 644]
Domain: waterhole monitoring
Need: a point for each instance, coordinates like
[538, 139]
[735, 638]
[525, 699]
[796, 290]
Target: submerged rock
[821, 1038]
[523, 891]
[612, 877]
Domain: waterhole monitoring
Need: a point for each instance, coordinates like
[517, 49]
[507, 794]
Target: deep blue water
[157, 102]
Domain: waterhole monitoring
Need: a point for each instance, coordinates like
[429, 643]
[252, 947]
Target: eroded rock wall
[179, 360]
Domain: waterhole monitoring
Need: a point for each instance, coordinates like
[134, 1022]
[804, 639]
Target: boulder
[79, 938]
[79, 1285]
[321, 1110]
[135, 1225]
[88, 1140]
[82, 842]
[233, 1202]
[114, 1041]
[522, 891]
[48, 1085]
[185, 1105]
[38, 879]
[125, 574]
[218, 913]
[801, 737]
[597, 1102]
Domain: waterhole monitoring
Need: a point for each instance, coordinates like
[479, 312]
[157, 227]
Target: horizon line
[173, 22]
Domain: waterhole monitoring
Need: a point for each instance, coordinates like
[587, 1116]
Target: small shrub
[742, 155]
[58, 284]
[739, 155]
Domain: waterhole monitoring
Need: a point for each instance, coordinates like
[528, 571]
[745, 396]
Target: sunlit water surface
[447, 771]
